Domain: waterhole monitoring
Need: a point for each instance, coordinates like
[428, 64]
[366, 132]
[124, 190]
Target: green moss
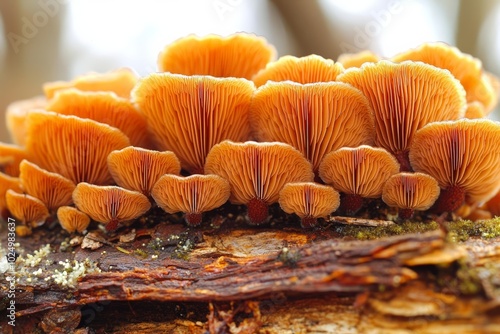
[370, 233]
[462, 230]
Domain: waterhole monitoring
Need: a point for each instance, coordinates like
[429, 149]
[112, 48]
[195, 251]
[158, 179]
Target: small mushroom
[10, 158]
[349, 60]
[120, 81]
[463, 156]
[312, 68]
[73, 147]
[52, 189]
[357, 173]
[192, 195]
[257, 172]
[309, 201]
[15, 117]
[72, 219]
[190, 114]
[314, 118]
[238, 55]
[405, 97]
[409, 192]
[103, 107]
[110, 205]
[30, 211]
[7, 182]
[139, 169]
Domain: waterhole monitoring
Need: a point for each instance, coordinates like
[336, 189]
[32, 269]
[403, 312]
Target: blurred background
[48, 40]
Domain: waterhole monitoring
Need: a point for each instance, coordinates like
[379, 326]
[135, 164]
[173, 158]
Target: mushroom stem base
[350, 203]
[405, 213]
[258, 211]
[308, 222]
[112, 225]
[193, 219]
[449, 199]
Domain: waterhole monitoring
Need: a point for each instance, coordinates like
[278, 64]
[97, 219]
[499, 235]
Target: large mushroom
[15, 117]
[404, 98]
[257, 172]
[139, 169]
[314, 118]
[103, 107]
[110, 205]
[308, 69]
[309, 201]
[190, 114]
[463, 156]
[192, 195]
[410, 192]
[72, 147]
[239, 55]
[357, 173]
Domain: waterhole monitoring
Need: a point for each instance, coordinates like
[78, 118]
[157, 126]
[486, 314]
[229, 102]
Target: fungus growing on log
[15, 117]
[10, 158]
[30, 211]
[72, 219]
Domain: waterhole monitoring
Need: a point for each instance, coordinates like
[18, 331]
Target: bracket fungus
[239, 55]
[190, 114]
[103, 107]
[257, 172]
[357, 173]
[314, 118]
[308, 69]
[357, 59]
[409, 192]
[404, 98]
[15, 117]
[10, 158]
[120, 81]
[52, 189]
[30, 211]
[110, 205]
[463, 156]
[138, 169]
[192, 195]
[309, 201]
[7, 182]
[71, 146]
[72, 219]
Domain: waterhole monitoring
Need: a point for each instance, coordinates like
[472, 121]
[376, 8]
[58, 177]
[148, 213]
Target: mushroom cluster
[223, 121]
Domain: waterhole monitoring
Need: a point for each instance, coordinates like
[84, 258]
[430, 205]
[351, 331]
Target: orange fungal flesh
[28, 209]
[15, 117]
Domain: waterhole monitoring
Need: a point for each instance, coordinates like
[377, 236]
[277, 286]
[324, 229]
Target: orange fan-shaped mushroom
[28, 209]
[463, 66]
[357, 59]
[463, 156]
[409, 192]
[257, 172]
[7, 182]
[475, 110]
[103, 107]
[314, 118]
[120, 81]
[72, 219]
[303, 70]
[239, 55]
[404, 98]
[358, 173]
[10, 158]
[309, 201]
[110, 205]
[139, 169]
[192, 195]
[52, 189]
[73, 147]
[189, 115]
[15, 117]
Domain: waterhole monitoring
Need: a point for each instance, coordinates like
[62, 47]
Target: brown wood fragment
[359, 221]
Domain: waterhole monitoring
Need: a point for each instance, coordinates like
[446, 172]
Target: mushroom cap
[475, 110]
[463, 153]
[109, 203]
[309, 199]
[73, 147]
[52, 189]
[238, 55]
[257, 170]
[15, 117]
[103, 107]
[8, 182]
[405, 97]
[308, 69]
[357, 59]
[72, 219]
[10, 158]
[464, 67]
[416, 191]
[190, 114]
[359, 171]
[120, 81]
[28, 209]
[139, 169]
[314, 118]
[191, 194]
